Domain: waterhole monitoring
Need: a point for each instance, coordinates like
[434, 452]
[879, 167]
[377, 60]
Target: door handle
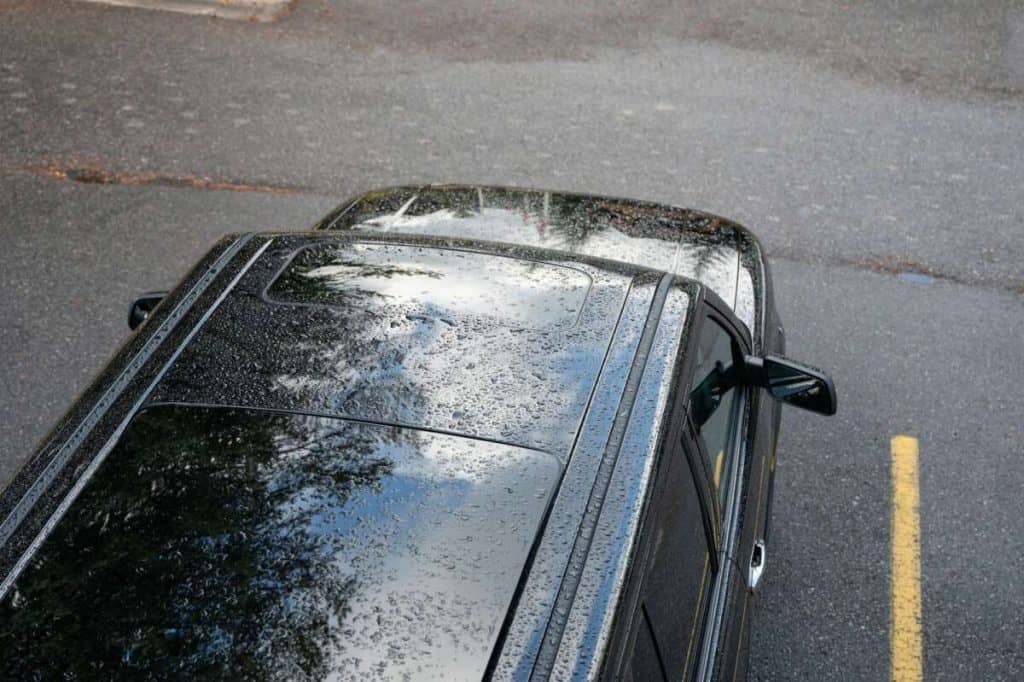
[757, 561]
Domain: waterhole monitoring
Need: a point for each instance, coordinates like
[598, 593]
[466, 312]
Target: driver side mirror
[142, 307]
[791, 382]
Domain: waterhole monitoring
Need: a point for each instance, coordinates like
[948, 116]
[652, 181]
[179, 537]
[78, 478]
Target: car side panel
[762, 432]
[758, 433]
[754, 507]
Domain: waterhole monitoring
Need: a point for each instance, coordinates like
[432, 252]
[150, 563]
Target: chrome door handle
[757, 561]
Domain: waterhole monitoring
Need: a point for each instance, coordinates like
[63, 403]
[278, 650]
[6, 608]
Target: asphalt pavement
[877, 148]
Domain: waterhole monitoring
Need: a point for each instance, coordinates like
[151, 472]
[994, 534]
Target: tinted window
[643, 664]
[668, 626]
[713, 400]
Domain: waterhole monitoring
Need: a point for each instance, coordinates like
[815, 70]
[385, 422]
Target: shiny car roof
[231, 542]
[710, 249]
[349, 424]
[449, 335]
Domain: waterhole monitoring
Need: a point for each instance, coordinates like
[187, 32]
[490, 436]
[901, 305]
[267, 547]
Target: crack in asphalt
[98, 174]
[900, 267]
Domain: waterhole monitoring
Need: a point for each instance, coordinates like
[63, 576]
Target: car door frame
[727, 589]
[728, 592]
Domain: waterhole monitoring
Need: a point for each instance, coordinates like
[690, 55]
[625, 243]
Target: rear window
[435, 282]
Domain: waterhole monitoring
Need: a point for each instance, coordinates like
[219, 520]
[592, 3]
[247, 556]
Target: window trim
[705, 489]
[714, 616]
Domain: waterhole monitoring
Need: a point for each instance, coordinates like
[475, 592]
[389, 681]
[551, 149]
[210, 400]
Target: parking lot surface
[876, 148]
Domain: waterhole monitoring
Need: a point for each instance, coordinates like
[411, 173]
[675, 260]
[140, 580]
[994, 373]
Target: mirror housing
[142, 307]
[793, 383]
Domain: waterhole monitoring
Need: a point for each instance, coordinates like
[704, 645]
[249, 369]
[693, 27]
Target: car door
[722, 418]
[711, 434]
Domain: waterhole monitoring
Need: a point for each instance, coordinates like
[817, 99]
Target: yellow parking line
[905, 635]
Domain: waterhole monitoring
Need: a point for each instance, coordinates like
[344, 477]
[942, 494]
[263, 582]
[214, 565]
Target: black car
[452, 433]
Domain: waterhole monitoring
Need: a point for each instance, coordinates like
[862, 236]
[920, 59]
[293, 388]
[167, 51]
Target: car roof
[483, 401]
[707, 248]
[495, 342]
[216, 540]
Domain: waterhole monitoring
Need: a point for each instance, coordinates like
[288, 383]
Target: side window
[677, 579]
[713, 401]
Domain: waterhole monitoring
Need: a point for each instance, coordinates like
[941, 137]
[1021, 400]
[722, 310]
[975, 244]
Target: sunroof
[222, 542]
[440, 283]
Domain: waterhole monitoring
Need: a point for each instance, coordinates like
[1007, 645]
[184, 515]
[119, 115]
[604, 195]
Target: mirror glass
[799, 385]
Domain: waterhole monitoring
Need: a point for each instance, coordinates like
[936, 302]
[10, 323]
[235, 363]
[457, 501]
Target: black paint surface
[242, 543]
